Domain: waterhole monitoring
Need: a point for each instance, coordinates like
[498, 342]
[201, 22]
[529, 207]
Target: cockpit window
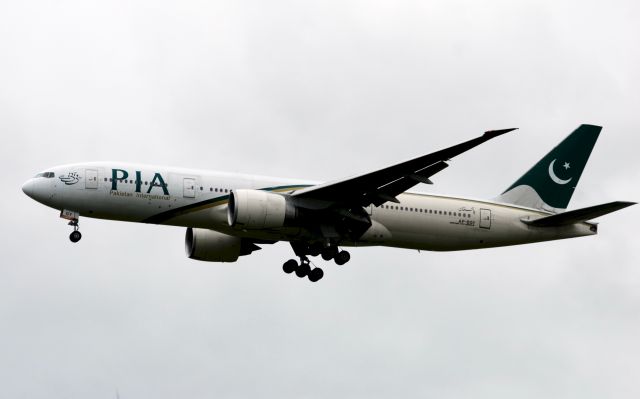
[47, 175]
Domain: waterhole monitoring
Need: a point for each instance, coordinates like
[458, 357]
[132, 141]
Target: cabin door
[90, 178]
[485, 218]
[189, 190]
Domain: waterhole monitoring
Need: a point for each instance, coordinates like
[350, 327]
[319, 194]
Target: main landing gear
[303, 268]
[340, 257]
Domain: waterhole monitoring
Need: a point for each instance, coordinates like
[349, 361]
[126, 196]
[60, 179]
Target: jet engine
[257, 209]
[212, 246]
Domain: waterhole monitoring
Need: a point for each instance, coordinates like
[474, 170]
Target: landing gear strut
[75, 235]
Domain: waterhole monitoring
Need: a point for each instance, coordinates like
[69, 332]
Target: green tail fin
[550, 183]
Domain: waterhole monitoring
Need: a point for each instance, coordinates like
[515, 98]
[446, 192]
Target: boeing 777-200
[229, 215]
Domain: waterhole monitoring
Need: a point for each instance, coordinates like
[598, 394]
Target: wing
[385, 184]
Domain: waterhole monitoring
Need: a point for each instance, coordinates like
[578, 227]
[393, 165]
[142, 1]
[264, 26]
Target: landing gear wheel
[290, 266]
[303, 269]
[75, 236]
[342, 257]
[315, 274]
[329, 253]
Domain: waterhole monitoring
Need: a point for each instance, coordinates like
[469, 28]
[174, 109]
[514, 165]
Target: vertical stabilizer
[550, 183]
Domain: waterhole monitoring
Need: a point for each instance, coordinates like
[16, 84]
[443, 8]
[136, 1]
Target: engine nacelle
[257, 209]
[212, 246]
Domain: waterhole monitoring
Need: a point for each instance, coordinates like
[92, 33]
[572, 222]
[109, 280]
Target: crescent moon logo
[555, 178]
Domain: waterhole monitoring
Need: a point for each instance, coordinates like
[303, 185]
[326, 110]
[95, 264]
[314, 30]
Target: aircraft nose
[29, 188]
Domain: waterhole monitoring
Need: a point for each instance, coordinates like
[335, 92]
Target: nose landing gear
[75, 235]
[73, 217]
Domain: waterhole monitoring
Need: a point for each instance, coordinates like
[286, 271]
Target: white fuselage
[196, 198]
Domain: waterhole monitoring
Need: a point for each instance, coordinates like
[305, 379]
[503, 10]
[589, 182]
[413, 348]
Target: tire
[75, 236]
[329, 253]
[342, 258]
[303, 270]
[289, 266]
[315, 275]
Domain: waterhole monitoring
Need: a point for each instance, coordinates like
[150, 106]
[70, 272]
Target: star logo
[553, 175]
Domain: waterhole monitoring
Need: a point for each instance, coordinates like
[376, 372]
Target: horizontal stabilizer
[579, 215]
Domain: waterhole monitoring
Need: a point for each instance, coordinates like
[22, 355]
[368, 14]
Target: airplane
[229, 215]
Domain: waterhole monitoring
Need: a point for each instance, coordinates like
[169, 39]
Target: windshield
[47, 175]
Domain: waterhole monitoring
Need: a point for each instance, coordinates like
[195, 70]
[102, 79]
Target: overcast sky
[317, 90]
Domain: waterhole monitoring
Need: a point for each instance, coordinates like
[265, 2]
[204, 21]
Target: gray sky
[317, 90]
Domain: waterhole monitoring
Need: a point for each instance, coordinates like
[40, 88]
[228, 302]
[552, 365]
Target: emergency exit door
[189, 190]
[485, 218]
